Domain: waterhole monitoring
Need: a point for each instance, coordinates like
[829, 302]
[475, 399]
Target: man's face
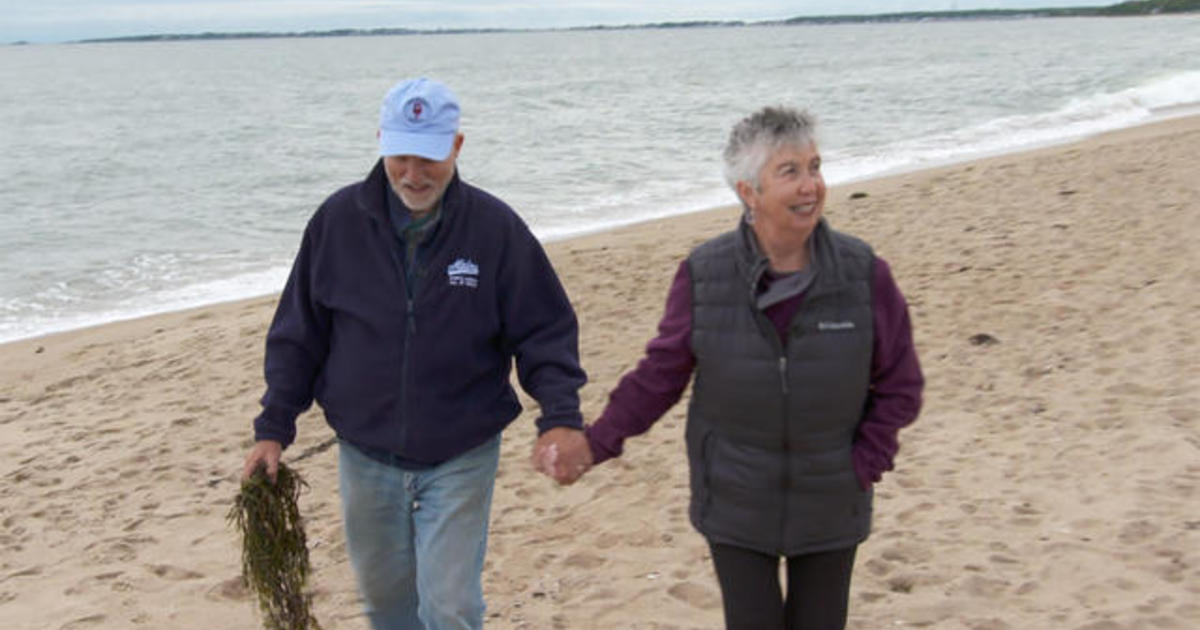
[418, 181]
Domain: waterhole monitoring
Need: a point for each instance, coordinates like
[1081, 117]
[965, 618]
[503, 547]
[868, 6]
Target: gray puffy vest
[770, 427]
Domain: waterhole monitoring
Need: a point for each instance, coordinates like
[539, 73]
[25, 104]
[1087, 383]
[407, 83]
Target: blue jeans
[416, 539]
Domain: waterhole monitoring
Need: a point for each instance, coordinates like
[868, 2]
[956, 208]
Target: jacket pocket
[743, 485]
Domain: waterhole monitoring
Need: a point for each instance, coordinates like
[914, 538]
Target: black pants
[818, 588]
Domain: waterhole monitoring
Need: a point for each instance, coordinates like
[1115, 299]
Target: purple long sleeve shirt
[660, 378]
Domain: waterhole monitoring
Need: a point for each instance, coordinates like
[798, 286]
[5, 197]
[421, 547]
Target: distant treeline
[344, 32]
[1151, 7]
[1137, 7]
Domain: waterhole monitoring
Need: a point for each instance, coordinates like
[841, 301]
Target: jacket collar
[752, 262]
[372, 194]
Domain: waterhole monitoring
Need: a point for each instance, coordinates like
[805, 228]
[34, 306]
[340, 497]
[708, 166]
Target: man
[410, 296]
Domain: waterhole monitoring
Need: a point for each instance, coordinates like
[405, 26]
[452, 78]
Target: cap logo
[414, 109]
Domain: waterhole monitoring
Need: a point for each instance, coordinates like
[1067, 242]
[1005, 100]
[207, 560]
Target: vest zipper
[785, 482]
[768, 329]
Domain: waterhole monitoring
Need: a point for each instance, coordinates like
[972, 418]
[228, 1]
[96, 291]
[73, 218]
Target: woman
[804, 373]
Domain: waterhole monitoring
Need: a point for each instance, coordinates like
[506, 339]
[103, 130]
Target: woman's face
[790, 195]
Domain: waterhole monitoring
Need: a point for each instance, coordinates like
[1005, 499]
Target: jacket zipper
[410, 327]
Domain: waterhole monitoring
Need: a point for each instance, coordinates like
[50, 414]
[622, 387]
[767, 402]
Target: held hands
[563, 454]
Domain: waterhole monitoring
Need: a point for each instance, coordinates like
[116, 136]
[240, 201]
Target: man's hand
[266, 453]
[562, 453]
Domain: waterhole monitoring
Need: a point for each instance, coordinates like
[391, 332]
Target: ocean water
[145, 177]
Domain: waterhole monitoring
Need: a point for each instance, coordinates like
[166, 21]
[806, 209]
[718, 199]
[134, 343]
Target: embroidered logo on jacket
[463, 273]
[835, 325]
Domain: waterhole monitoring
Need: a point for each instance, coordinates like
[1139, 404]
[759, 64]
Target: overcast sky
[65, 20]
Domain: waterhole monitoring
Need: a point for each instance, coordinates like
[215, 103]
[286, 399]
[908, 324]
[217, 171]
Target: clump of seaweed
[274, 549]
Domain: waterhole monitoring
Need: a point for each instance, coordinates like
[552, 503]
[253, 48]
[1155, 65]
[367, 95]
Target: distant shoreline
[1124, 9]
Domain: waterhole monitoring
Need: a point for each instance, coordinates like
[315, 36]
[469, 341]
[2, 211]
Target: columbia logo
[835, 325]
[463, 273]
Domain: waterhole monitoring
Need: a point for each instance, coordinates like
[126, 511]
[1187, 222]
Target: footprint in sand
[906, 553]
[91, 621]
[116, 550]
[989, 624]
[901, 584]
[27, 572]
[233, 588]
[878, 567]
[169, 572]
[584, 561]
[1138, 532]
[604, 594]
[608, 541]
[1172, 565]
[1134, 389]
[544, 560]
[1102, 625]
[695, 595]
[915, 514]
[979, 586]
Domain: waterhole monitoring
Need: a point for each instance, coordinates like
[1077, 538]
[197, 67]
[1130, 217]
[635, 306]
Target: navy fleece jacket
[426, 378]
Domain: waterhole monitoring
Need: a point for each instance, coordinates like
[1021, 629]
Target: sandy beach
[1052, 481]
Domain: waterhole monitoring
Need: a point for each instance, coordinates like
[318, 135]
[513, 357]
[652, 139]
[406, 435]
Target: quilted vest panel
[770, 426]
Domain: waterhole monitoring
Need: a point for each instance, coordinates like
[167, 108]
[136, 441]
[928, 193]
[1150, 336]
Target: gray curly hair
[756, 137]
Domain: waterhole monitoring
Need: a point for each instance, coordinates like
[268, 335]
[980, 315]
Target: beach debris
[316, 450]
[983, 339]
[275, 562]
[858, 195]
